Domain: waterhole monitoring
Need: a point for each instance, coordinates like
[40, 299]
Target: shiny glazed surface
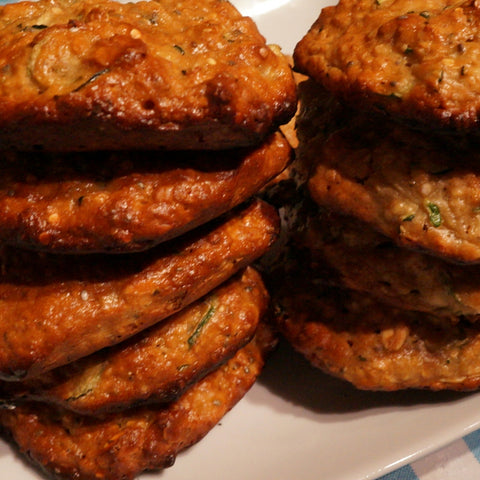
[160, 363]
[89, 75]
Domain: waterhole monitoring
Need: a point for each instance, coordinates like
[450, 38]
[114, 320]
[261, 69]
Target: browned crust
[420, 191]
[56, 309]
[376, 347]
[415, 60]
[158, 364]
[122, 445]
[126, 201]
[98, 75]
[345, 251]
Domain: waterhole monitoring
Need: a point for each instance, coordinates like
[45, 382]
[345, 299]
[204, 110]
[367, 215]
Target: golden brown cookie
[120, 446]
[160, 363]
[125, 201]
[374, 346]
[345, 251]
[55, 309]
[416, 60]
[415, 189]
[98, 75]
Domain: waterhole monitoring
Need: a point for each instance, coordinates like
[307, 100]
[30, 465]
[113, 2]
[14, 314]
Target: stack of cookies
[390, 231]
[134, 138]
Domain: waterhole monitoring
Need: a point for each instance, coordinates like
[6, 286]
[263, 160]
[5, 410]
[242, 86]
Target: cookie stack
[134, 138]
[390, 239]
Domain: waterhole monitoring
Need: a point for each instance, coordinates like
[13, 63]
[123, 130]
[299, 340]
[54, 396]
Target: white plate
[296, 423]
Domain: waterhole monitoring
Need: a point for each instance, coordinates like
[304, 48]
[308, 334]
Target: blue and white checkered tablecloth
[458, 461]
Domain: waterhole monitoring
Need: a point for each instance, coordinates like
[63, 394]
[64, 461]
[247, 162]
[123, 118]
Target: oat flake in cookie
[415, 189]
[121, 445]
[157, 365]
[120, 202]
[97, 75]
[56, 308]
[415, 59]
[376, 347]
